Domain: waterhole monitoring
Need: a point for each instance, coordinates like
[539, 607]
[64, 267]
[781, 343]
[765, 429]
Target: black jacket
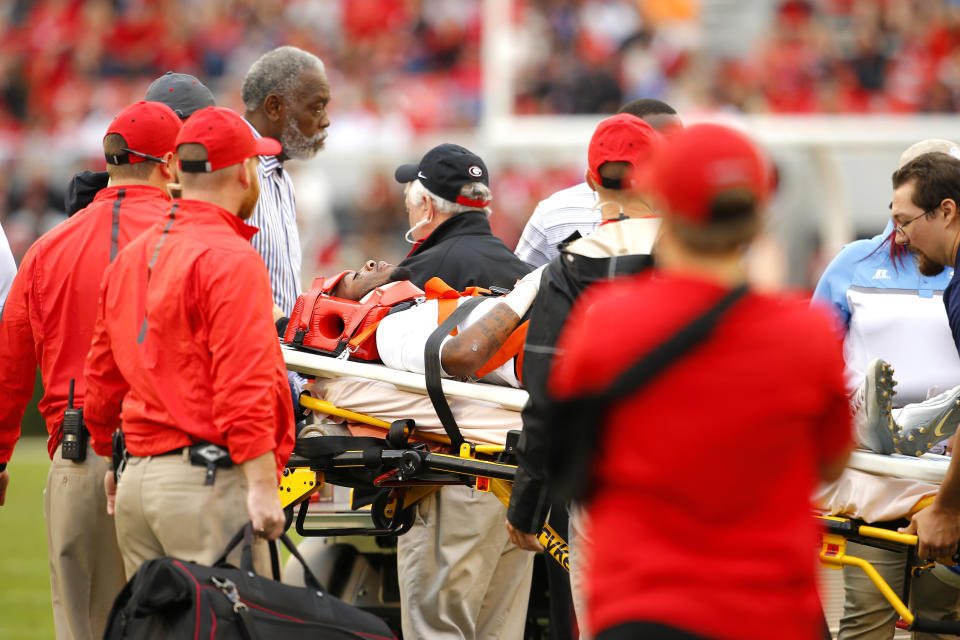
[565, 277]
[463, 252]
[83, 188]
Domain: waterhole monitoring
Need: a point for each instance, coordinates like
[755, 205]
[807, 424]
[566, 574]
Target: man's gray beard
[926, 266]
[295, 144]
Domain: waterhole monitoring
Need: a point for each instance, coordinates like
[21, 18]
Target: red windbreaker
[49, 314]
[185, 349]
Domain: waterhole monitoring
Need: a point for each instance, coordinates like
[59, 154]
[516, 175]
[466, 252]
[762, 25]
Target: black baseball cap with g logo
[444, 170]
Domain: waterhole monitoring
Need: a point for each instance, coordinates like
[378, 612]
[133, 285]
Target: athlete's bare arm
[472, 347]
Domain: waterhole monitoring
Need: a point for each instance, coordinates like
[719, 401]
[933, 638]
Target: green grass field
[24, 579]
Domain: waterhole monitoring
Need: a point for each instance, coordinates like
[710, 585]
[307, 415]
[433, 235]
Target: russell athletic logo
[475, 171]
[881, 274]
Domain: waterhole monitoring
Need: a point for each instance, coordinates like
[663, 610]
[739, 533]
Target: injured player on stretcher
[484, 345]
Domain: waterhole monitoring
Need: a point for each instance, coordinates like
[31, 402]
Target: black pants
[646, 631]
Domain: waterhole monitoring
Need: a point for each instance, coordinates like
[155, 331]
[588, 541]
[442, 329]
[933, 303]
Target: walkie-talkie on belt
[74, 443]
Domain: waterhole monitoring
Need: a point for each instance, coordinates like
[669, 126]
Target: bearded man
[926, 219]
[285, 94]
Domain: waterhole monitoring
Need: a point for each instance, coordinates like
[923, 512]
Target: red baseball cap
[150, 130]
[622, 138]
[227, 137]
[699, 163]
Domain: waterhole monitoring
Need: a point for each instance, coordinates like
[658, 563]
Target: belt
[204, 454]
[171, 452]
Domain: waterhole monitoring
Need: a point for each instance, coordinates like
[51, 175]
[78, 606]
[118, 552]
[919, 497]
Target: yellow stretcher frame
[833, 554]
[301, 480]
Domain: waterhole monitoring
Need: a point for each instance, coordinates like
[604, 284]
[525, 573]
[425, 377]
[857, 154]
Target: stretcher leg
[833, 554]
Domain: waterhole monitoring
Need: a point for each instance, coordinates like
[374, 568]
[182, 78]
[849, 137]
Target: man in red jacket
[48, 321]
[185, 349]
[767, 380]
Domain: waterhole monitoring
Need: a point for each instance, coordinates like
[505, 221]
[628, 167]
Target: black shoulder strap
[577, 422]
[431, 361]
[667, 352]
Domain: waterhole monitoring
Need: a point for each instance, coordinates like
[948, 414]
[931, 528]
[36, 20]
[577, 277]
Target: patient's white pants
[460, 576]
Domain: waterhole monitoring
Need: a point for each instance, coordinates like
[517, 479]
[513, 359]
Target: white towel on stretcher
[873, 498]
[480, 422]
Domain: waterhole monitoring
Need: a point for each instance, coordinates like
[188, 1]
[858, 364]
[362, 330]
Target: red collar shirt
[50, 311]
[185, 349]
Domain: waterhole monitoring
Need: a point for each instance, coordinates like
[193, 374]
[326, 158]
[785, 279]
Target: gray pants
[460, 576]
[866, 613]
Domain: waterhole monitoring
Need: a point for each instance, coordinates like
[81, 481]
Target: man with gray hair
[448, 201]
[285, 94]
[460, 576]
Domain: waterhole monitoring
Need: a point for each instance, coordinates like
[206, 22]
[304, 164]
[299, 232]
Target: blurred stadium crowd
[403, 69]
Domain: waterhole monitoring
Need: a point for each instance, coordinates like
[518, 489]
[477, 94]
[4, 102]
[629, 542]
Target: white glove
[524, 293]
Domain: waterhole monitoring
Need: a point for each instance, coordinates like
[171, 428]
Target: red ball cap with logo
[621, 138]
[149, 129]
[701, 162]
[226, 136]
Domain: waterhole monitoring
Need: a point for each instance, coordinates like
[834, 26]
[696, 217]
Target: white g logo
[475, 171]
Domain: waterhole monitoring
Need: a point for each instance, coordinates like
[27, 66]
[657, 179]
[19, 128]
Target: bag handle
[246, 555]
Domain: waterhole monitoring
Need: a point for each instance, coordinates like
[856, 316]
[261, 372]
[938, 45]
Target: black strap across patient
[432, 369]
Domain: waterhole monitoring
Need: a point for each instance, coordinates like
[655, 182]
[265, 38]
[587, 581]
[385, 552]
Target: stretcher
[412, 457]
[877, 490]
[409, 457]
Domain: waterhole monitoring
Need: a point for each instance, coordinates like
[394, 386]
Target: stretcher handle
[924, 625]
[551, 541]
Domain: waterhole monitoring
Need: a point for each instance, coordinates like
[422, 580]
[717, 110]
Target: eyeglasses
[902, 228]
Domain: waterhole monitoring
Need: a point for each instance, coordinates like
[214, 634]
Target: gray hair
[472, 190]
[277, 72]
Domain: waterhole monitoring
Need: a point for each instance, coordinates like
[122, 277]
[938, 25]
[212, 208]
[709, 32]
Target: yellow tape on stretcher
[549, 539]
[331, 409]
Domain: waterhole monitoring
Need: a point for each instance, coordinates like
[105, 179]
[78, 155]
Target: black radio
[73, 446]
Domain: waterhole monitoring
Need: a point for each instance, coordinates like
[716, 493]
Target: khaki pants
[164, 509]
[866, 613]
[85, 567]
[460, 576]
[579, 561]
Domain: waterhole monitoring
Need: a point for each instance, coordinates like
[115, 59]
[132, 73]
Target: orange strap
[448, 298]
[445, 307]
[358, 339]
[512, 347]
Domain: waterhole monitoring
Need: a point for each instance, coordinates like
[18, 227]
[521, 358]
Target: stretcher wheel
[385, 515]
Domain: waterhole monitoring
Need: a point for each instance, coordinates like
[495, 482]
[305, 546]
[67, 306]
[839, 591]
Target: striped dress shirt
[278, 241]
[554, 220]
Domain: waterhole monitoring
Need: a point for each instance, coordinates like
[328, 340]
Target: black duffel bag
[171, 598]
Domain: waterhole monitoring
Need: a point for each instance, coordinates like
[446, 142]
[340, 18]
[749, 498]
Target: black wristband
[3, 467]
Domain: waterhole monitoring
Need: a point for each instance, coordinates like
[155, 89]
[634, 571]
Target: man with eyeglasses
[48, 320]
[925, 213]
[887, 309]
